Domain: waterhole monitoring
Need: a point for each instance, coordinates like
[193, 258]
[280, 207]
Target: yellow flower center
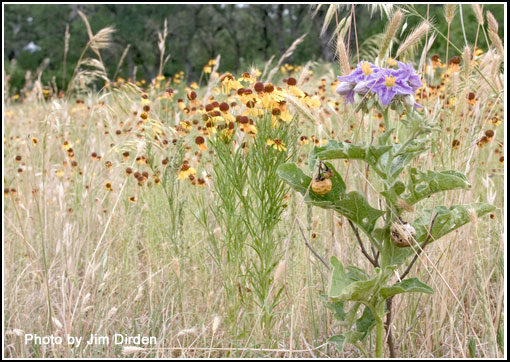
[365, 66]
[390, 81]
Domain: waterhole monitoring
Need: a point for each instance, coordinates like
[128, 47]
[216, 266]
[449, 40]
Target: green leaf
[356, 208]
[402, 158]
[300, 182]
[365, 323]
[406, 286]
[356, 273]
[345, 150]
[393, 193]
[293, 175]
[344, 288]
[448, 219]
[424, 184]
[338, 341]
[339, 278]
[352, 205]
[338, 308]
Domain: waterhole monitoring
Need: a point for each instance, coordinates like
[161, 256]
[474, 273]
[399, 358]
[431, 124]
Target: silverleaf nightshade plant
[397, 231]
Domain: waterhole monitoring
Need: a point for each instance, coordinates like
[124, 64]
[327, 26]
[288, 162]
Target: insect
[322, 184]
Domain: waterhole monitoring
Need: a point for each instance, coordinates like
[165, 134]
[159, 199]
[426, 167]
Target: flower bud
[344, 88]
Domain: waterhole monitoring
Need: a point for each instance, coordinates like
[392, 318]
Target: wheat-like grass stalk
[124, 53]
[449, 12]
[343, 57]
[493, 33]
[414, 37]
[478, 13]
[96, 42]
[466, 57]
[329, 16]
[161, 45]
[266, 66]
[67, 35]
[390, 32]
[285, 55]
[304, 73]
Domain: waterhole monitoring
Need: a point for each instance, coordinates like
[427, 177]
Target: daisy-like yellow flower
[293, 89]
[194, 85]
[303, 140]
[311, 102]
[200, 141]
[247, 125]
[228, 83]
[108, 186]
[272, 96]
[186, 170]
[277, 144]
[66, 146]
[246, 77]
[207, 69]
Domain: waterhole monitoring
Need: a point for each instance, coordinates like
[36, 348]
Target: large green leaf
[365, 323]
[402, 158]
[448, 219]
[344, 288]
[339, 278]
[294, 176]
[338, 307]
[406, 286]
[352, 205]
[300, 182]
[424, 184]
[345, 150]
[356, 208]
[338, 341]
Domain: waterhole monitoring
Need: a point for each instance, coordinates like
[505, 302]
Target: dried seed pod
[321, 186]
[327, 173]
[402, 233]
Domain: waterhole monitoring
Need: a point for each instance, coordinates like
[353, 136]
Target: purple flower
[389, 85]
[345, 89]
[407, 73]
[386, 83]
[365, 72]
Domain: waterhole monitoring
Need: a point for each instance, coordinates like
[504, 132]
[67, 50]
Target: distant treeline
[243, 35]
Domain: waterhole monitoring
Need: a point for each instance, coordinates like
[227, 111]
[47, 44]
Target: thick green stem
[379, 325]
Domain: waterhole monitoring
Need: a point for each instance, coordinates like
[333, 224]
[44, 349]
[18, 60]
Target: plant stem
[379, 324]
[389, 335]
